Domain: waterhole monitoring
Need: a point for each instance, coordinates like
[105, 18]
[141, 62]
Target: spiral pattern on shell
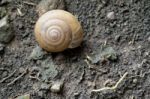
[58, 30]
[54, 35]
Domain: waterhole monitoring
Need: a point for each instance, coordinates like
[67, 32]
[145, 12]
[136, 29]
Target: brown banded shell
[57, 30]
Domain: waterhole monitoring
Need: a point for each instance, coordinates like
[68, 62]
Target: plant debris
[113, 87]
[105, 53]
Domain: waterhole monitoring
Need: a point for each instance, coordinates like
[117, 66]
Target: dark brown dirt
[128, 34]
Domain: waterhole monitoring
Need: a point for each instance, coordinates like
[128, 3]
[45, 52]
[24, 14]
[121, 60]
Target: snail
[57, 30]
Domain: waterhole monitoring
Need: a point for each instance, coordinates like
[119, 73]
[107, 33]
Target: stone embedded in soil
[77, 94]
[47, 5]
[27, 96]
[135, 81]
[56, 87]
[45, 86]
[111, 15]
[37, 53]
[6, 33]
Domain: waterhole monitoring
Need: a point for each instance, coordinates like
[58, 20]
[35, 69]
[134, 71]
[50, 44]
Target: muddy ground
[114, 56]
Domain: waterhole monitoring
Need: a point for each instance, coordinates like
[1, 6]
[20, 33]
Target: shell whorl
[54, 35]
[58, 30]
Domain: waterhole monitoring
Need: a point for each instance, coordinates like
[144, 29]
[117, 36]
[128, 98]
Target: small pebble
[47, 5]
[27, 96]
[21, 70]
[77, 94]
[45, 86]
[111, 15]
[56, 87]
[6, 33]
[135, 80]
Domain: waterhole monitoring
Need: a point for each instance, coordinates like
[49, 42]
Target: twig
[8, 77]
[29, 3]
[19, 12]
[82, 76]
[105, 43]
[88, 57]
[34, 77]
[133, 39]
[89, 65]
[93, 67]
[12, 82]
[113, 87]
[94, 82]
[141, 75]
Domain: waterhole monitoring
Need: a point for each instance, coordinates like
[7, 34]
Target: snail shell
[57, 30]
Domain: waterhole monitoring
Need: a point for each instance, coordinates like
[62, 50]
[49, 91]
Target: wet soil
[128, 34]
